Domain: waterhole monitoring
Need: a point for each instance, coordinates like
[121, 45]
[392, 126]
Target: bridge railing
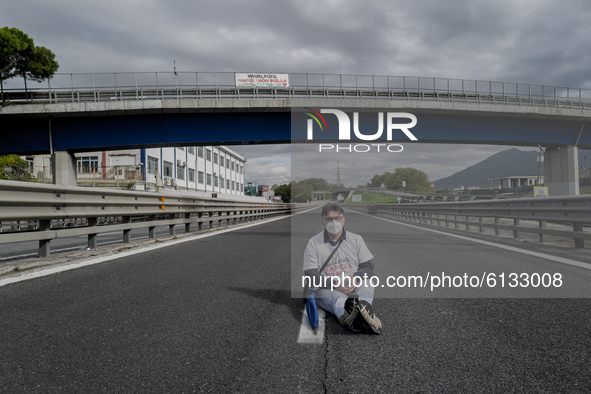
[569, 215]
[100, 87]
[39, 212]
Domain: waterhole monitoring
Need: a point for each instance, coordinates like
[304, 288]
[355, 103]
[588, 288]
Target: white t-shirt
[346, 260]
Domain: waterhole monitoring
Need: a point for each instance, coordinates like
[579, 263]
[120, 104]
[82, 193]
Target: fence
[117, 177]
[572, 214]
[136, 177]
[38, 212]
[95, 87]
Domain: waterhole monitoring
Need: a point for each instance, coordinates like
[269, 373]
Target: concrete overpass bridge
[88, 112]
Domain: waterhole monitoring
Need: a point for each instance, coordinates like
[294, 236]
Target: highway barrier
[40, 212]
[574, 212]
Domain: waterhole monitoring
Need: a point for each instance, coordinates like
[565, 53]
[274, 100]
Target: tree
[284, 191]
[13, 168]
[416, 180]
[302, 190]
[387, 178]
[20, 57]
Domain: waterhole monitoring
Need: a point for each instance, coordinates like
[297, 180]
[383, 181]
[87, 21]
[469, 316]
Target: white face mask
[334, 227]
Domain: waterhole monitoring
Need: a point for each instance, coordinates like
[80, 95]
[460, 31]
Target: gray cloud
[525, 41]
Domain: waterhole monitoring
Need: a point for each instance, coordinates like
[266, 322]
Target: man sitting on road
[351, 263]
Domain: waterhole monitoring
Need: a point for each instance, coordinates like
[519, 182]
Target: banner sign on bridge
[262, 80]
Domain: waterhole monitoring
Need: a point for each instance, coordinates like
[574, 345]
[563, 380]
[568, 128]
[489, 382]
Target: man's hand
[348, 290]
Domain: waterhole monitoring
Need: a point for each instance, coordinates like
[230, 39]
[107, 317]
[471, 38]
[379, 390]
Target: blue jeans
[333, 301]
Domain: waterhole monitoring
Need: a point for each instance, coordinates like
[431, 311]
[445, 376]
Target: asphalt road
[215, 315]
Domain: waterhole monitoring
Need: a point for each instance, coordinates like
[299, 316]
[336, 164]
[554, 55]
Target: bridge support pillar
[64, 168]
[561, 171]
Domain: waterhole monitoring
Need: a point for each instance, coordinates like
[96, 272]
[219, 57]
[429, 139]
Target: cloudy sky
[540, 41]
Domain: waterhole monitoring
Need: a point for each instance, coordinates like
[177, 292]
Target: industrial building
[203, 168]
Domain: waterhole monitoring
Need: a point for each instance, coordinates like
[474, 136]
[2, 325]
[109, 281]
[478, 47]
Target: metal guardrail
[101, 87]
[574, 211]
[104, 210]
[449, 198]
[465, 195]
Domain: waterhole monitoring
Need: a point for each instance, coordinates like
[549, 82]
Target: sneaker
[351, 311]
[366, 319]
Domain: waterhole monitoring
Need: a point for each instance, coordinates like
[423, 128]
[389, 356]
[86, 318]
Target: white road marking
[307, 332]
[557, 259]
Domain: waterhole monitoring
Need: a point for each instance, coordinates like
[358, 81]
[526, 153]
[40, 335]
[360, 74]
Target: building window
[200, 151]
[227, 184]
[152, 165]
[221, 161]
[209, 179]
[241, 187]
[215, 181]
[241, 169]
[191, 150]
[232, 166]
[167, 168]
[208, 155]
[215, 158]
[222, 182]
[227, 164]
[233, 185]
[191, 175]
[200, 175]
[180, 172]
[30, 162]
[86, 164]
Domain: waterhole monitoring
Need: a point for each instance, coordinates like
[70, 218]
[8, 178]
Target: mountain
[510, 162]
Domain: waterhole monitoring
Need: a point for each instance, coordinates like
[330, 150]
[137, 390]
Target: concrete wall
[561, 173]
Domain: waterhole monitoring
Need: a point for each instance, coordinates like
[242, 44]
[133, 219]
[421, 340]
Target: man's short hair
[331, 207]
